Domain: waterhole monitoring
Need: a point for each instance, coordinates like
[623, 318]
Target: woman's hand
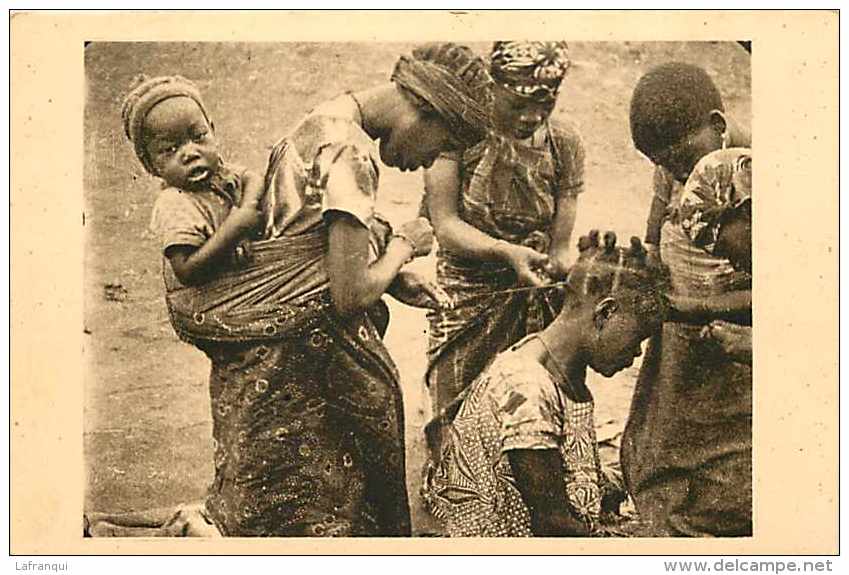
[528, 264]
[414, 290]
[558, 266]
[419, 234]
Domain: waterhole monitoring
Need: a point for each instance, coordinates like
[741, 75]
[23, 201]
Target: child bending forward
[518, 455]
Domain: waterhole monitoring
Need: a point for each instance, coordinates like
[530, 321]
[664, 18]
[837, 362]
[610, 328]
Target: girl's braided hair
[604, 269]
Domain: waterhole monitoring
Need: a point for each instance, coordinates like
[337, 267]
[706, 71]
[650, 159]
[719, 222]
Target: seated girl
[516, 453]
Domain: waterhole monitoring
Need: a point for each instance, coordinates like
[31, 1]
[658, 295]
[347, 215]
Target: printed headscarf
[721, 181]
[530, 69]
[450, 92]
[144, 97]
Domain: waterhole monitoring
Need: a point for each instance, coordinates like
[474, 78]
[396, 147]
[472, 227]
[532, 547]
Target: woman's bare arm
[354, 284]
[561, 234]
[442, 184]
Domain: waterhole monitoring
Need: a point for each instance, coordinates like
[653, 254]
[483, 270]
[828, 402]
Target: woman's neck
[378, 108]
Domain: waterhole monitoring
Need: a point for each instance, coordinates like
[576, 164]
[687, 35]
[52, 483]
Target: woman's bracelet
[410, 242]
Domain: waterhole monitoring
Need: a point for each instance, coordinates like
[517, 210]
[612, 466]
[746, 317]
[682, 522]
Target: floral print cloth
[720, 181]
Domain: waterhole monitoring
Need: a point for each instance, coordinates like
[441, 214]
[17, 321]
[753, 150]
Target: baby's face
[180, 143]
[734, 240]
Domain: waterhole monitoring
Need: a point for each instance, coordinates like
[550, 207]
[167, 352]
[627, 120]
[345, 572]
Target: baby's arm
[194, 265]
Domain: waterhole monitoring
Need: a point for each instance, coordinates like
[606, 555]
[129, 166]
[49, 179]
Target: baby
[209, 211]
[207, 208]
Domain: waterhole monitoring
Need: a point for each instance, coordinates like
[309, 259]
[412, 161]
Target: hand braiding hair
[603, 269]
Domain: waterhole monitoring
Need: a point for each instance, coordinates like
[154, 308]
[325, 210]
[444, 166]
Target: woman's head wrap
[671, 101]
[144, 97]
[720, 182]
[453, 81]
[530, 69]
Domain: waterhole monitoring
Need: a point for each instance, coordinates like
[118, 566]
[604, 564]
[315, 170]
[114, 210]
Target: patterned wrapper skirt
[308, 433]
[482, 323]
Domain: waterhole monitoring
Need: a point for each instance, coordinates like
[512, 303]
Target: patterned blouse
[510, 188]
[515, 404]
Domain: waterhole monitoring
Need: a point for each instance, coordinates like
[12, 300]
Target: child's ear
[717, 121]
[603, 310]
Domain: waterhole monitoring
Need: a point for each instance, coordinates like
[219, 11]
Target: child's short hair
[671, 101]
[143, 97]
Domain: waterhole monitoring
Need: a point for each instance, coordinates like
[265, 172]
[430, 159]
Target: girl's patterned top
[515, 404]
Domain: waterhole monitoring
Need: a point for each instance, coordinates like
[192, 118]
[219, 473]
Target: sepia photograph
[405, 289]
[429, 289]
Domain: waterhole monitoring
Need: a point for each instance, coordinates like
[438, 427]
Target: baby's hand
[414, 290]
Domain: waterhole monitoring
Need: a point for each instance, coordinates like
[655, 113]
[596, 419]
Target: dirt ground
[147, 420]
